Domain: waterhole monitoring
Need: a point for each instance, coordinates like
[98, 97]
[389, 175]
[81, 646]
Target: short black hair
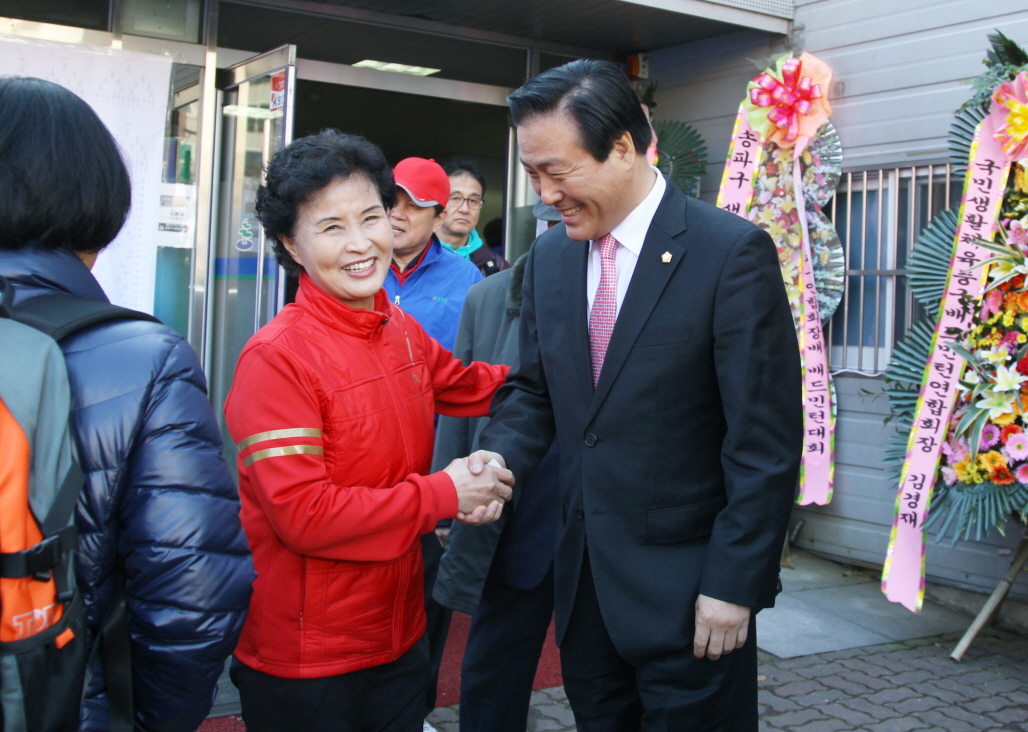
[63, 179]
[596, 94]
[493, 234]
[299, 170]
[467, 167]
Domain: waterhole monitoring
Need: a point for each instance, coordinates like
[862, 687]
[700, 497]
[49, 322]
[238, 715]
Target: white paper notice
[129, 91]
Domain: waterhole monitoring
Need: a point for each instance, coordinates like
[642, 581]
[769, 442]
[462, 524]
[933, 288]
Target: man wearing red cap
[430, 283]
[425, 280]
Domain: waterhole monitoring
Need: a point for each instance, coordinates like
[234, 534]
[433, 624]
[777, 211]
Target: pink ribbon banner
[904, 574]
[817, 469]
[736, 195]
[744, 153]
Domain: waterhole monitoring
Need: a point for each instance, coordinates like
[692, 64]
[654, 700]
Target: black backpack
[43, 656]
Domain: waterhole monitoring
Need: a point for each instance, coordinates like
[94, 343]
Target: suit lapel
[573, 263]
[650, 278]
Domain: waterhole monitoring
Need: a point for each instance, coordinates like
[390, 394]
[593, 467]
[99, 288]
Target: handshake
[483, 485]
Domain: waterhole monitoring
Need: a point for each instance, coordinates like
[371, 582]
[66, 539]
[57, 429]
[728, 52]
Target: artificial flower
[1008, 379]
[957, 450]
[1002, 476]
[967, 472]
[999, 353]
[1010, 112]
[1007, 431]
[1021, 473]
[1017, 446]
[993, 299]
[949, 475]
[1004, 419]
[990, 437]
[992, 460]
[997, 404]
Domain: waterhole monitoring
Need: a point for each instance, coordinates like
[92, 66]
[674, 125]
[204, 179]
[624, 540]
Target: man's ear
[624, 149]
[290, 244]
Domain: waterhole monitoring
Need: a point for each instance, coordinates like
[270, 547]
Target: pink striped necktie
[604, 312]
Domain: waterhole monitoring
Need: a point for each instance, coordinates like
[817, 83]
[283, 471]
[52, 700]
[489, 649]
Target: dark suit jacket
[679, 471]
[522, 542]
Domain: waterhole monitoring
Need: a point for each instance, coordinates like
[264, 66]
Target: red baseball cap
[425, 181]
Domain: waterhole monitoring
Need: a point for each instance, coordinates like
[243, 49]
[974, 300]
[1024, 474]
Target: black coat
[522, 542]
[680, 469]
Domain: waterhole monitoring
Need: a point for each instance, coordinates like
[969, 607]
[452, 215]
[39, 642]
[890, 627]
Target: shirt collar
[426, 257]
[631, 232]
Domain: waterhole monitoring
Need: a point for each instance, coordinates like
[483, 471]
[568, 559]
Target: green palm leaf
[971, 511]
[682, 153]
[1005, 51]
[930, 260]
[961, 134]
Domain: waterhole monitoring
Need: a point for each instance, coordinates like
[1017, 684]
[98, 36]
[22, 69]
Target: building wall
[901, 68]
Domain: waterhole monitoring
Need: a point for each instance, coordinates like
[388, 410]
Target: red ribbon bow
[789, 98]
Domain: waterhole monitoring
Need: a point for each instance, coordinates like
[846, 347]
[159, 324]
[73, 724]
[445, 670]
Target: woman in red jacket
[332, 411]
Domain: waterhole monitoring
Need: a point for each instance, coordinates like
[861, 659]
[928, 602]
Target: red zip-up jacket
[332, 411]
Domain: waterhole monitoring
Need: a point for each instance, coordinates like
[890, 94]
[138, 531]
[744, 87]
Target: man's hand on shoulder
[721, 627]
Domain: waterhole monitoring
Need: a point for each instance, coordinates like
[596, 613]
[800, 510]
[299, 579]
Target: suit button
[580, 513]
[590, 440]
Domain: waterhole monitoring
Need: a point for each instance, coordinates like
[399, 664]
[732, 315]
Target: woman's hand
[480, 497]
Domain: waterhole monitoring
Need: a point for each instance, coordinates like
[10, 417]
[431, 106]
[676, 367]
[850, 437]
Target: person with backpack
[162, 565]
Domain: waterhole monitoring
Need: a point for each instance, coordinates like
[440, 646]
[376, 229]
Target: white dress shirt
[630, 233]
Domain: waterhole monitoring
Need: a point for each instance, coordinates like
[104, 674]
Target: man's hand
[481, 495]
[480, 458]
[721, 627]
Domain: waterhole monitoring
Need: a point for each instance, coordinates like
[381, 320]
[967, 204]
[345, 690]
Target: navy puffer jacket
[158, 501]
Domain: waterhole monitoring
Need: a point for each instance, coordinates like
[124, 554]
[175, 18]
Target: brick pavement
[893, 687]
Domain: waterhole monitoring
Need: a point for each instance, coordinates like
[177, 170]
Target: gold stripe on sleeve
[278, 435]
[283, 452]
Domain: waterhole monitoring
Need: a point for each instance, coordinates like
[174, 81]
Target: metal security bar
[879, 214]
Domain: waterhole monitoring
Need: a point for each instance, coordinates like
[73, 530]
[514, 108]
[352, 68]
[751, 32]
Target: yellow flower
[1004, 419]
[967, 472]
[992, 460]
[1008, 319]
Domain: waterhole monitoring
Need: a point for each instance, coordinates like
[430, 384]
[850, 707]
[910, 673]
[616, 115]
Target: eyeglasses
[458, 201]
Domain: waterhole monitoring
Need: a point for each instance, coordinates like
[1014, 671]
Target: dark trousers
[671, 693]
[437, 617]
[506, 639]
[386, 698]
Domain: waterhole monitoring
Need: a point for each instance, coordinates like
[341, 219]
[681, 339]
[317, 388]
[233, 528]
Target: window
[879, 214]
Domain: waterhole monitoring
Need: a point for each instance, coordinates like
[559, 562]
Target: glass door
[246, 284]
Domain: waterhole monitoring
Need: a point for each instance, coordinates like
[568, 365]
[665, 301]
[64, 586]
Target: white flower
[997, 404]
[1007, 379]
[1001, 267]
[969, 380]
[997, 354]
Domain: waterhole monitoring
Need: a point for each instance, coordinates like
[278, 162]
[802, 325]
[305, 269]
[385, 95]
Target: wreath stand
[995, 600]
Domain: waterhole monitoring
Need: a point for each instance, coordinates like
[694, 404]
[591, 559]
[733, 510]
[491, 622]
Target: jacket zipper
[396, 300]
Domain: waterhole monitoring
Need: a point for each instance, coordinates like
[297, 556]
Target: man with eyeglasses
[456, 231]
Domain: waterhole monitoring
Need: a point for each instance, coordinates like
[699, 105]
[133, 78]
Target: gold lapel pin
[665, 257]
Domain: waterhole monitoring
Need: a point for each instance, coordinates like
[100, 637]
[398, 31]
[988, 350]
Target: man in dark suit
[501, 574]
[657, 345]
